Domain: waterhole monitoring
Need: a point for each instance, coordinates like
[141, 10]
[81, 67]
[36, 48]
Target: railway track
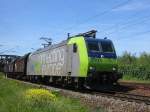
[136, 85]
[109, 94]
[124, 96]
[136, 98]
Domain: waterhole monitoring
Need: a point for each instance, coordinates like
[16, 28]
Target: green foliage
[136, 72]
[134, 67]
[18, 97]
[127, 59]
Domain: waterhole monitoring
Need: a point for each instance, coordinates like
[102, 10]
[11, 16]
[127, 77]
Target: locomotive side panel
[80, 59]
[49, 62]
[73, 61]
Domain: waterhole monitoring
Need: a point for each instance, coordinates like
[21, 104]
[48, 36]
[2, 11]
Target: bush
[39, 97]
[135, 67]
[137, 72]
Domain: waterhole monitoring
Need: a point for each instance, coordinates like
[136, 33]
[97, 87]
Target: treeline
[135, 67]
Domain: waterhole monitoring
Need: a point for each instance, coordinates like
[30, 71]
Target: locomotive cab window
[107, 46]
[93, 46]
[75, 48]
[100, 46]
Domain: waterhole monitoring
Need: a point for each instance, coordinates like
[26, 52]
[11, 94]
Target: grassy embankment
[18, 97]
[134, 80]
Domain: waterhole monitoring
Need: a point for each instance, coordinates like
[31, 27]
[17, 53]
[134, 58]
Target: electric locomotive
[81, 60]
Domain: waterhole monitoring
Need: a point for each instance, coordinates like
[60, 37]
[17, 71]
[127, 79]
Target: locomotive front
[97, 59]
[102, 67]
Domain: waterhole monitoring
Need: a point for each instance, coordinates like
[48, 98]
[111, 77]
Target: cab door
[73, 60]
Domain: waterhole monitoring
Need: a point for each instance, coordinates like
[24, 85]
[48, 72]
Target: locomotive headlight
[92, 68]
[114, 69]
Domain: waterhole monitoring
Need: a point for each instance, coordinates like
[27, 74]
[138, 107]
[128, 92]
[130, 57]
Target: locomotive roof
[64, 43]
[50, 47]
[96, 39]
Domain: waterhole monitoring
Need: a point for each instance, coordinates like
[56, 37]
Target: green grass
[128, 78]
[12, 100]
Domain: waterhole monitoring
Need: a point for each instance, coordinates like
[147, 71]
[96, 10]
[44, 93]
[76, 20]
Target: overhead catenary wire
[126, 22]
[8, 50]
[136, 35]
[95, 16]
[131, 25]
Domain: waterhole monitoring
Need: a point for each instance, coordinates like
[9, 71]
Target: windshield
[107, 46]
[100, 46]
[93, 46]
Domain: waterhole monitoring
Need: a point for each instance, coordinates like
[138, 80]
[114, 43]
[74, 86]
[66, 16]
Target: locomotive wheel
[79, 83]
[45, 79]
[65, 82]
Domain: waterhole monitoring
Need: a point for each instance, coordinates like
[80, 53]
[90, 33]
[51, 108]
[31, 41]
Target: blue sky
[23, 22]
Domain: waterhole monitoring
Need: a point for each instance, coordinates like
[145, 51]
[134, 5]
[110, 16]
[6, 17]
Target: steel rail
[124, 96]
[110, 94]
